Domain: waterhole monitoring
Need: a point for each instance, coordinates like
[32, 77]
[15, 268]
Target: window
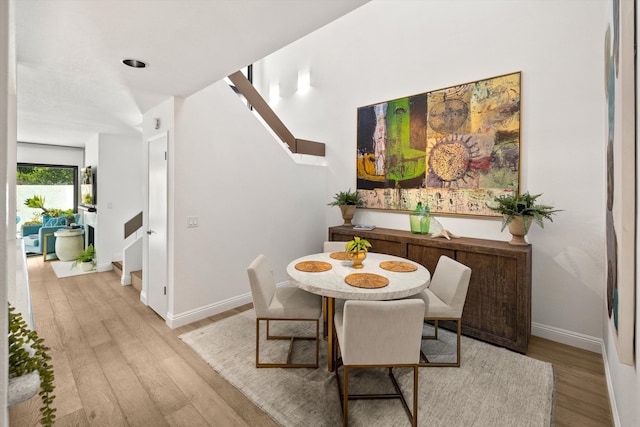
[55, 185]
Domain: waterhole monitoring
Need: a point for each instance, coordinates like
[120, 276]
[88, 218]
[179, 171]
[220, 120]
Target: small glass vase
[420, 223]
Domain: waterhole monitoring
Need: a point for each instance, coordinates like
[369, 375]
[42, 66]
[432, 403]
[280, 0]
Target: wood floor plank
[39, 299]
[135, 403]
[165, 394]
[581, 391]
[26, 414]
[203, 398]
[234, 398]
[71, 336]
[142, 328]
[100, 405]
[67, 400]
[89, 319]
[54, 290]
[75, 419]
[186, 417]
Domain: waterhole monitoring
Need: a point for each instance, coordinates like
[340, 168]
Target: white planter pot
[23, 388]
[87, 266]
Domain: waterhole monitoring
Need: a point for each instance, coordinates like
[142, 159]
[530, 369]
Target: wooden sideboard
[498, 305]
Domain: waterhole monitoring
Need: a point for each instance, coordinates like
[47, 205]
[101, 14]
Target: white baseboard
[564, 336]
[143, 297]
[104, 267]
[612, 397]
[125, 279]
[181, 319]
[177, 320]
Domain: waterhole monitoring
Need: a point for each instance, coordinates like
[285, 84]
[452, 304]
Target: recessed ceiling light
[135, 63]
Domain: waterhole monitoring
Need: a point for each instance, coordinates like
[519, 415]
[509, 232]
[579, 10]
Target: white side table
[69, 243]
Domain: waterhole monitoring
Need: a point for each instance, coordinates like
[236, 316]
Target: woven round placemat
[313, 266]
[398, 266]
[342, 256]
[366, 280]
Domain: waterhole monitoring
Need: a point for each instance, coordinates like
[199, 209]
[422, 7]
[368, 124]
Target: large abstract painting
[452, 149]
[621, 171]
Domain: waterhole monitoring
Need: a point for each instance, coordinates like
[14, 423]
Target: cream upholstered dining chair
[281, 303]
[444, 300]
[380, 334]
[334, 246]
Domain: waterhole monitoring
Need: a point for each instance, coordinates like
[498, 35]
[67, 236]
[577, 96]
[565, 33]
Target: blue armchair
[33, 235]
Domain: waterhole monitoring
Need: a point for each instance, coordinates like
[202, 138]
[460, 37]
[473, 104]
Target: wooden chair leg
[345, 404]
[415, 396]
[425, 361]
[257, 343]
[459, 333]
[291, 340]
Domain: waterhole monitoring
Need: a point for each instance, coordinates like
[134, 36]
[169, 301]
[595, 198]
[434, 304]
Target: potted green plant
[357, 250]
[69, 218]
[86, 259]
[518, 211]
[29, 364]
[35, 219]
[348, 201]
[37, 202]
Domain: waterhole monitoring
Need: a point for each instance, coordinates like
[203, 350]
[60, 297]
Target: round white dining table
[331, 284]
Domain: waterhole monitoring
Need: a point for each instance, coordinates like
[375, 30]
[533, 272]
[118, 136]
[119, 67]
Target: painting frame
[452, 149]
[620, 235]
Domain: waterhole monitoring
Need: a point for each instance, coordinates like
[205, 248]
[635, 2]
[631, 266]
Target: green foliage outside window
[44, 175]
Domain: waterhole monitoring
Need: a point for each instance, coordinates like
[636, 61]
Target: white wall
[91, 151]
[50, 154]
[250, 198]
[386, 50]
[7, 180]
[118, 162]
[120, 181]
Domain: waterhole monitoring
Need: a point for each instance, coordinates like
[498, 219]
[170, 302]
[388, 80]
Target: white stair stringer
[131, 260]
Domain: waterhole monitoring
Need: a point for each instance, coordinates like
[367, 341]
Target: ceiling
[72, 85]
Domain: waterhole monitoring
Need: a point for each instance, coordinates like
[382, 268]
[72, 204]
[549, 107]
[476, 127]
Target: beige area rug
[64, 269]
[493, 386]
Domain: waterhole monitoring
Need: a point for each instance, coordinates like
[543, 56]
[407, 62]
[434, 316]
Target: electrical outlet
[192, 221]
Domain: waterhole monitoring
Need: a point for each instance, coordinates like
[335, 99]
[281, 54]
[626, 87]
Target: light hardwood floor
[118, 364]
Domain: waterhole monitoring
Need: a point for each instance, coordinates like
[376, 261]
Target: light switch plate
[192, 221]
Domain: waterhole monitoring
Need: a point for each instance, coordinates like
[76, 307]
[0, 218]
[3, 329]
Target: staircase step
[136, 279]
[136, 276]
[117, 267]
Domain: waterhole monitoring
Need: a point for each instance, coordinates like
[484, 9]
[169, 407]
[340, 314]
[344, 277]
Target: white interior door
[157, 229]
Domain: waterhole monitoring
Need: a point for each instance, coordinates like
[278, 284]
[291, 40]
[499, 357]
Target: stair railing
[133, 225]
[296, 145]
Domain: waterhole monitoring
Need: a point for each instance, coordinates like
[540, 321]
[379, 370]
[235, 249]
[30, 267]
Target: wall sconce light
[274, 92]
[304, 80]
